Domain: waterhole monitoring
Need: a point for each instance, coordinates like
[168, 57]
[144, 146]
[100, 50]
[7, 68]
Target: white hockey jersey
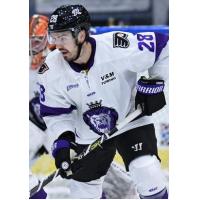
[91, 102]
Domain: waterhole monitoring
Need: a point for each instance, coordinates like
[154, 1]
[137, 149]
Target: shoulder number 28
[145, 42]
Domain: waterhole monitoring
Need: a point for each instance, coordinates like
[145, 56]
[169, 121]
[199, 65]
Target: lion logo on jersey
[99, 118]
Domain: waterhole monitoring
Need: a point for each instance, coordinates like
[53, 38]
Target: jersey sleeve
[140, 52]
[150, 54]
[160, 67]
[56, 109]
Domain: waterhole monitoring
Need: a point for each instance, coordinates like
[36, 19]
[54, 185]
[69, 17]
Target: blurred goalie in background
[39, 46]
[38, 49]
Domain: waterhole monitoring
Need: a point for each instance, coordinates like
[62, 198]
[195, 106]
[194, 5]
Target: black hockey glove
[150, 95]
[61, 152]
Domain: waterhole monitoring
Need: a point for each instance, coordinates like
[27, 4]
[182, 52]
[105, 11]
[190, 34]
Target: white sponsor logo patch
[76, 12]
[69, 87]
[149, 90]
[137, 147]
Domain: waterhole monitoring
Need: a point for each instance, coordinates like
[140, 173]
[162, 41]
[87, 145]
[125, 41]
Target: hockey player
[87, 85]
[39, 48]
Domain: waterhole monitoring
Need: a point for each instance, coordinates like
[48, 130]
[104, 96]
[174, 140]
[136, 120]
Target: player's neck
[85, 53]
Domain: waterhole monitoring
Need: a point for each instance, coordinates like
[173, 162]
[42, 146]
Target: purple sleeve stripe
[53, 111]
[161, 41]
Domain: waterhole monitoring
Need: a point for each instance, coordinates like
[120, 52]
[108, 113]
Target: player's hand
[150, 95]
[61, 153]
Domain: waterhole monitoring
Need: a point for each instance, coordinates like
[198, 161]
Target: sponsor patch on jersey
[72, 86]
[91, 93]
[120, 40]
[43, 68]
[107, 78]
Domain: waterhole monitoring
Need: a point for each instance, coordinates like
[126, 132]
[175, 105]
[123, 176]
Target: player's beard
[75, 54]
[70, 56]
[79, 46]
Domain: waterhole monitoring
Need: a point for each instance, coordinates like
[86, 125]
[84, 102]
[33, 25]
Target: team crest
[76, 12]
[99, 118]
[120, 40]
[43, 68]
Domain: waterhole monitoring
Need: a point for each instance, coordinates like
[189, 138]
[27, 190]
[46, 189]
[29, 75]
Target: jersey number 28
[145, 42]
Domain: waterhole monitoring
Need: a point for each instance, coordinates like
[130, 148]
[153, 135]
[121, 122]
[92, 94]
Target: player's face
[66, 44]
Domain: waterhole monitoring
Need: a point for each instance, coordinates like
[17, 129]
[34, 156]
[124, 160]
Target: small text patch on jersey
[107, 78]
[43, 68]
[120, 40]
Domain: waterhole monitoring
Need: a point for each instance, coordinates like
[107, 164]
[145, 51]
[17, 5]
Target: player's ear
[81, 36]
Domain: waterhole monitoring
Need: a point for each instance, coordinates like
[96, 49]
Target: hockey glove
[150, 95]
[61, 152]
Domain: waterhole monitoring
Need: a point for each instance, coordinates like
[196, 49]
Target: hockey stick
[108, 135]
[46, 181]
[41, 184]
[88, 149]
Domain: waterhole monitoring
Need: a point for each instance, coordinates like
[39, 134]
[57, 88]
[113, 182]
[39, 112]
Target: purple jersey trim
[52, 111]
[161, 41]
[150, 89]
[41, 194]
[59, 144]
[78, 67]
[160, 195]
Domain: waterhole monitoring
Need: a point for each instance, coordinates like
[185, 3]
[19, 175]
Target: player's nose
[59, 46]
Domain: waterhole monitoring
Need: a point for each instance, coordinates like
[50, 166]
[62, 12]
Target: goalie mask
[72, 18]
[38, 33]
[37, 39]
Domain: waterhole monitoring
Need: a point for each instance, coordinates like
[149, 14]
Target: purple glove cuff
[59, 144]
[149, 89]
